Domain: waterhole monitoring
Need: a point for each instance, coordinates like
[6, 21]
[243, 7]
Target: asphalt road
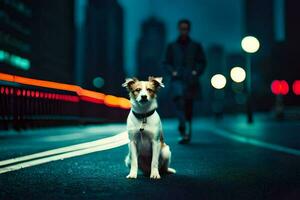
[211, 167]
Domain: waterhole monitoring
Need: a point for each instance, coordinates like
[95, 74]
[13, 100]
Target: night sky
[213, 22]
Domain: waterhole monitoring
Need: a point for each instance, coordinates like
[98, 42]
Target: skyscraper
[15, 36]
[36, 38]
[149, 53]
[53, 39]
[216, 57]
[259, 22]
[150, 48]
[292, 15]
[104, 45]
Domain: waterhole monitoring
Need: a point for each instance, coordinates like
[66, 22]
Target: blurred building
[216, 57]
[79, 20]
[15, 36]
[37, 38]
[235, 59]
[104, 46]
[292, 15]
[216, 64]
[259, 18]
[149, 55]
[274, 23]
[150, 48]
[288, 51]
[259, 22]
[53, 39]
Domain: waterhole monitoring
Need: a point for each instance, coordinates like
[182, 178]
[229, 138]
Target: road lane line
[121, 140]
[62, 150]
[247, 140]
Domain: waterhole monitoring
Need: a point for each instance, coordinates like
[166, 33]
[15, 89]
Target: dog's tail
[171, 170]
[127, 161]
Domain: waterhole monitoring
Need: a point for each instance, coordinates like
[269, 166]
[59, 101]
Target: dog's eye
[149, 90]
[137, 89]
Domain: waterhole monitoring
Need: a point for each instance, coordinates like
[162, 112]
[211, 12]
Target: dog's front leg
[155, 156]
[134, 160]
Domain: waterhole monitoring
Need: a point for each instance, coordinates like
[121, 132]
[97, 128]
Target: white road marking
[71, 148]
[121, 140]
[247, 140]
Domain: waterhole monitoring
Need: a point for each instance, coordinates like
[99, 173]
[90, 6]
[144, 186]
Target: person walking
[185, 62]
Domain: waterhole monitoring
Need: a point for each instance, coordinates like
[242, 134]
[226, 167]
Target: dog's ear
[128, 82]
[157, 81]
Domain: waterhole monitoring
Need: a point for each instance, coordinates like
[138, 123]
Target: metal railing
[27, 103]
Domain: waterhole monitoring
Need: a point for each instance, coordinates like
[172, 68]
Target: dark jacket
[184, 58]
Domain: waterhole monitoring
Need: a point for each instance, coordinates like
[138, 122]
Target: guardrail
[27, 102]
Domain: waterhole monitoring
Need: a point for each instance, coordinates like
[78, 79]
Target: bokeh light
[296, 87]
[218, 81]
[279, 87]
[250, 44]
[238, 74]
[98, 82]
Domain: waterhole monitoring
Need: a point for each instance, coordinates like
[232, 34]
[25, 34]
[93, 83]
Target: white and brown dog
[147, 150]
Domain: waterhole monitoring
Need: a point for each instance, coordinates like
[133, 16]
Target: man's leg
[189, 103]
[180, 112]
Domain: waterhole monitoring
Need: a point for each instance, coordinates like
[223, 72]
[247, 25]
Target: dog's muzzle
[144, 99]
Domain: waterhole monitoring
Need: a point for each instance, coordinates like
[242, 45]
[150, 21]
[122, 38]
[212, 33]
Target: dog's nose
[144, 97]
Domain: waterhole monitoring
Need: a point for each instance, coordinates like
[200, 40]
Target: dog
[147, 149]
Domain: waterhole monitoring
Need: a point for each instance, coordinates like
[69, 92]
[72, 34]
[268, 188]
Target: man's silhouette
[185, 62]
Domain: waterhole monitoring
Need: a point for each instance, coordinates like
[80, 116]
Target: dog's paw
[154, 174]
[132, 175]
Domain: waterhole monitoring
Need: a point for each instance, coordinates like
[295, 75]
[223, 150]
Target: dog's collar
[143, 115]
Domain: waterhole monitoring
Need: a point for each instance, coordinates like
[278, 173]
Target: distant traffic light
[296, 87]
[280, 87]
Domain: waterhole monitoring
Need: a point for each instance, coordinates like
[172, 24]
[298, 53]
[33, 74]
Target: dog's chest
[149, 126]
[144, 144]
[143, 138]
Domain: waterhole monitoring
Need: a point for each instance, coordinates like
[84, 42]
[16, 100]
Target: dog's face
[143, 91]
